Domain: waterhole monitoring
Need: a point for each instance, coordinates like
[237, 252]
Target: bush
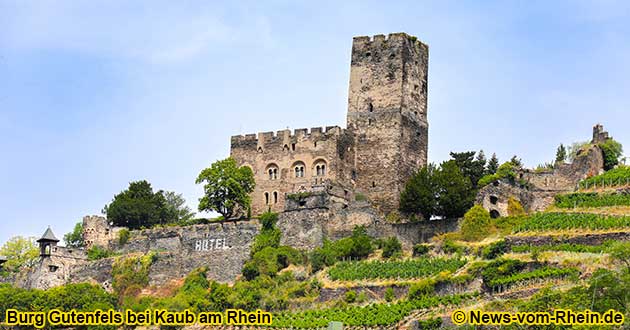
[515, 208]
[422, 289]
[389, 295]
[420, 250]
[477, 224]
[391, 247]
[359, 197]
[350, 296]
[611, 150]
[96, 252]
[266, 238]
[507, 171]
[432, 323]
[268, 220]
[74, 239]
[123, 236]
[494, 250]
[449, 246]
[139, 206]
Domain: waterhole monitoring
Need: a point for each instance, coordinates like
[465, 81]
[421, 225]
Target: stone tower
[387, 110]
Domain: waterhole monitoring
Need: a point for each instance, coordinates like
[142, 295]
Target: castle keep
[384, 143]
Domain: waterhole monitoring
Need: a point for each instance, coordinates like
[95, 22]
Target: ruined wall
[536, 190]
[53, 270]
[319, 155]
[98, 232]
[387, 108]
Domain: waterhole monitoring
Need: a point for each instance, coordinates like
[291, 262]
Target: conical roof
[48, 236]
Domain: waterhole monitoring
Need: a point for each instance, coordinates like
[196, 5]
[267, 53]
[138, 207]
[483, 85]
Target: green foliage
[494, 250]
[421, 289]
[443, 191]
[96, 252]
[266, 238]
[561, 154]
[612, 151]
[543, 272]
[370, 315]
[493, 165]
[139, 206]
[567, 247]
[407, 269]
[389, 295]
[477, 224]
[131, 274]
[420, 250]
[515, 208]
[619, 176]
[226, 188]
[361, 243]
[471, 167]
[299, 196]
[556, 221]
[123, 236]
[431, 323]
[350, 296]
[500, 268]
[74, 239]
[391, 247]
[507, 171]
[80, 297]
[577, 148]
[419, 195]
[268, 220]
[591, 200]
[20, 252]
[449, 246]
[357, 246]
[176, 204]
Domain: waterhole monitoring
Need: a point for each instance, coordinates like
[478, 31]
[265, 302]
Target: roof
[48, 236]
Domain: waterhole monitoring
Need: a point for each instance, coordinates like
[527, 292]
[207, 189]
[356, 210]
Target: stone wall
[53, 270]
[536, 190]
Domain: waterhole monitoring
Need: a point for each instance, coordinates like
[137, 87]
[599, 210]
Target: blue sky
[95, 94]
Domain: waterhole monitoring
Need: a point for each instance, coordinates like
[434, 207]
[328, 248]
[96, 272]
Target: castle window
[415, 87]
[275, 197]
[369, 122]
[285, 148]
[272, 172]
[52, 268]
[315, 144]
[293, 146]
[494, 214]
[320, 167]
[260, 150]
[354, 174]
[266, 198]
[370, 107]
[494, 199]
[415, 113]
[373, 184]
[298, 169]
[368, 54]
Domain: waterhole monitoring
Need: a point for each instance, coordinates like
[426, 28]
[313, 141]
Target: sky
[95, 94]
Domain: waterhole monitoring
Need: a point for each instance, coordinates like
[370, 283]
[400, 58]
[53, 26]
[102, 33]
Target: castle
[384, 143]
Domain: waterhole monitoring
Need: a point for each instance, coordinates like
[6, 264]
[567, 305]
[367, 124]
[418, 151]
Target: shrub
[268, 220]
[449, 246]
[432, 323]
[494, 250]
[350, 296]
[123, 236]
[391, 247]
[266, 238]
[477, 224]
[389, 295]
[611, 150]
[359, 197]
[420, 250]
[96, 252]
[507, 170]
[515, 208]
[421, 289]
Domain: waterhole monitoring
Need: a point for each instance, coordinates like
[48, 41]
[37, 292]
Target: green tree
[561, 154]
[226, 188]
[176, 204]
[419, 193]
[493, 164]
[139, 206]
[472, 168]
[517, 162]
[20, 252]
[612, 151]
[455, 193]
[74, 239]
[476, 224]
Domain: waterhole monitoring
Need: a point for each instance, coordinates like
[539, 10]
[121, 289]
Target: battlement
[380, 38]
[285, 135]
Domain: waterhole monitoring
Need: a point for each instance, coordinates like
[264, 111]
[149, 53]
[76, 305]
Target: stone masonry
[384, 143]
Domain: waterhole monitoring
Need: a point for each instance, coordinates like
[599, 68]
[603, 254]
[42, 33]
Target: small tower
[47, 243]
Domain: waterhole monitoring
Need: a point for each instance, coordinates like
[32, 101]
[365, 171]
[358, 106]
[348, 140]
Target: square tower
[387, 110]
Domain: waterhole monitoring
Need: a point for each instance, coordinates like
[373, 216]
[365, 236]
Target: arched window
[298, 169]
[275, 197]
[272, 171]
[320, 167]
[370, 107]
[266, 198]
